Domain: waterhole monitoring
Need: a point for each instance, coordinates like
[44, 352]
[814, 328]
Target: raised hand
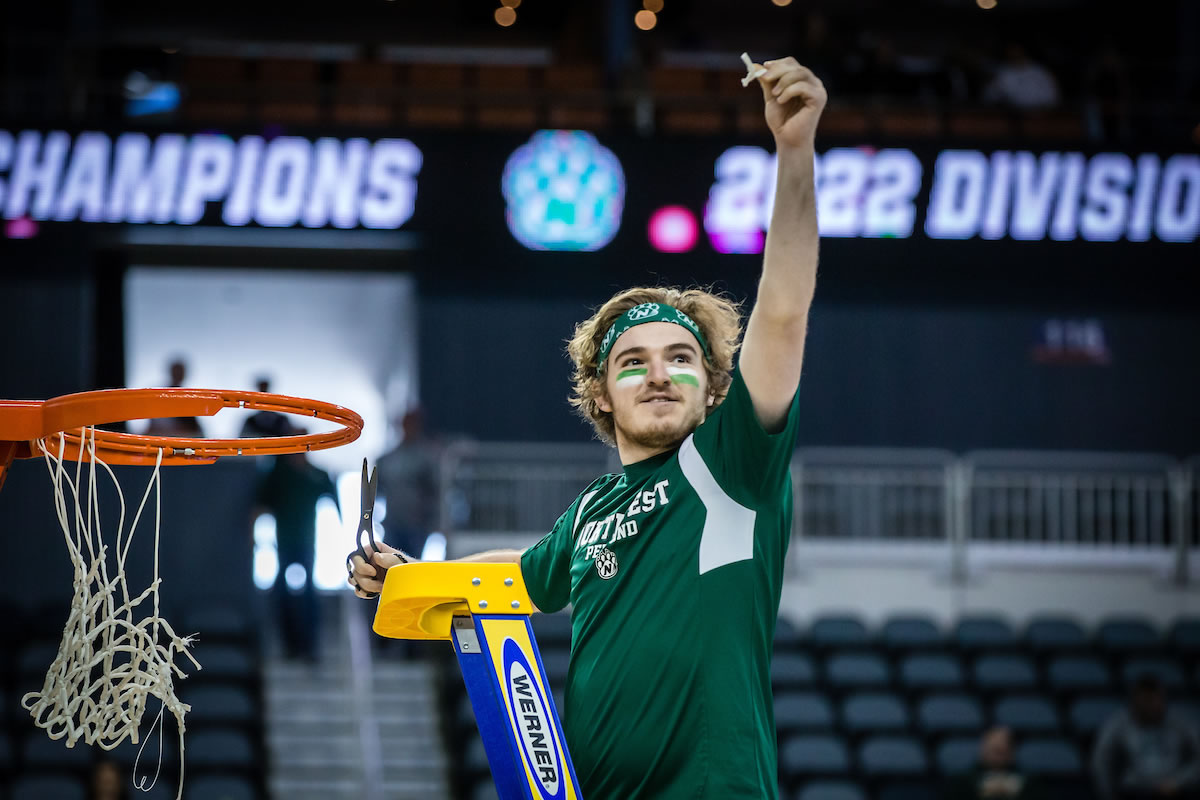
[794, 99]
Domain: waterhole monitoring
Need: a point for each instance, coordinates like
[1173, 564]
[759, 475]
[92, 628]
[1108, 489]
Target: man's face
[995, 751]
[655, 385]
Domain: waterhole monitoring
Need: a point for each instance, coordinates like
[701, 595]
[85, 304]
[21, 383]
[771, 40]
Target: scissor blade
[366, 494]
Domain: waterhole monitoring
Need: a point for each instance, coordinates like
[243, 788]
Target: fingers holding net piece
[753, 72]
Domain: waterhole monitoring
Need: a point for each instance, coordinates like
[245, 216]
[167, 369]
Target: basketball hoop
[110, 662]
[24, 422]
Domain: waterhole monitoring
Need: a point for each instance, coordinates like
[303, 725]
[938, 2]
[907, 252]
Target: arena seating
[888, 713]
[225, 737]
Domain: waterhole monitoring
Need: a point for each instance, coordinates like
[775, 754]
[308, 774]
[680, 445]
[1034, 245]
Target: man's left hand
[794, 98]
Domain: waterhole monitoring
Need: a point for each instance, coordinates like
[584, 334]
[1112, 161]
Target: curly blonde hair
[718, 316]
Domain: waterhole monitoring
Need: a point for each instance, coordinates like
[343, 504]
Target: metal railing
[1098, 502]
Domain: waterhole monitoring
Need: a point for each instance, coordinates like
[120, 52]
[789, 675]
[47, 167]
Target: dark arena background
[404, 208]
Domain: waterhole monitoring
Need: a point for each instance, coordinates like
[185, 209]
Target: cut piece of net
[116, 651]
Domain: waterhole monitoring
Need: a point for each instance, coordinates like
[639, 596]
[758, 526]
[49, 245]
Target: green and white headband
[648, 312]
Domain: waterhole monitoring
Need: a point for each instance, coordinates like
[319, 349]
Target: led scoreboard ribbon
[484, 609]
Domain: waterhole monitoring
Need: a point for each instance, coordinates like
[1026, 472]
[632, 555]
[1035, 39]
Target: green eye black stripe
[633, 372]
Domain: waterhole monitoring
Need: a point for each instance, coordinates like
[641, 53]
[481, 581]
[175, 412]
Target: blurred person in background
[290, 491]
[176, 426]
[1022, 83]
[995, 775]
[262, 424]
[1108, 93]
[1147, 750]
[408, 479]
[107, 782]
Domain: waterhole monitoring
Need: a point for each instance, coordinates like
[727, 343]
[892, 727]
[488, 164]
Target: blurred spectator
[1022, 83]
[1147, 750]
[408, 478]
[107, 782]
[822, 49]
[1108, 94]
[176, 426]
[266, 423]
[290, 491]
[995, 776]
[884, 74]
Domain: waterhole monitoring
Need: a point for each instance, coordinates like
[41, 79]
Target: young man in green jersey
[674, 567]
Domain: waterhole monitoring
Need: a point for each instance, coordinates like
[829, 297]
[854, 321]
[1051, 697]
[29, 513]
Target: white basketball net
[109, 662]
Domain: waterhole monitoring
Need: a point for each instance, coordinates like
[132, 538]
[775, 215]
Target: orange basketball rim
[26, 426]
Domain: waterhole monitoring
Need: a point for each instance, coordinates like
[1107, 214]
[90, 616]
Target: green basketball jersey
[674, 571]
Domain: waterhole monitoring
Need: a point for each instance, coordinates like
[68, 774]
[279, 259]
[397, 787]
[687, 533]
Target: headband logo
[642, 312]
[686, 320]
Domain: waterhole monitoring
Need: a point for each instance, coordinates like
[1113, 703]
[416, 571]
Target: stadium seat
[224, 662]
[39, 751]
[126, 754]
[857, 670]
[219, 787]
[831, 790]
[464, 715]
[911, 633]
[1167, 671]
[1046, 634]
[552, 630]
[1121, 635]
[220, 749]
[1188, 709]
[1088, 714]
[838, 631]
[1054, 757]
[995, 673]
[476, 760]
[35, 658]
[949, 713]
[1078, 674]
[218, 703]
[802, 711]
[984, 632]
[907, 791]
[957, 754]
[218, 623]
[892, 756]
[485, 790]
[926, 671]
[813, 755]
[1026, 714]
[165, 788]
[1184, 636]
[787, 635]
[46, 787]
[792, 671]
[874, 711]
[556, 661]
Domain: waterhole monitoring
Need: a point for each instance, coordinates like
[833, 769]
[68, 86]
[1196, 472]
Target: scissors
[366, 524]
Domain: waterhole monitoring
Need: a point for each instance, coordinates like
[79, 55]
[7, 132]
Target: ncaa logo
[643, 311]
[606, 563]
[531, 715]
